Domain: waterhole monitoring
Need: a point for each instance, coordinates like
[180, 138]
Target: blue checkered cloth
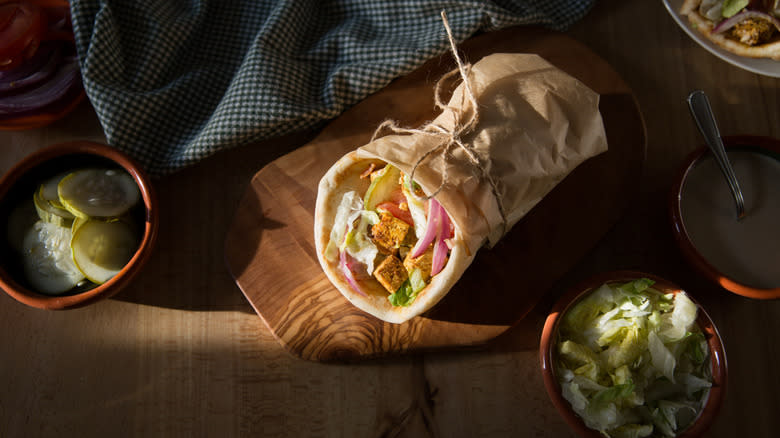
[174, 81]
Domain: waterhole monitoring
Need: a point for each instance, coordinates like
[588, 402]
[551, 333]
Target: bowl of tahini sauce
[741, 255]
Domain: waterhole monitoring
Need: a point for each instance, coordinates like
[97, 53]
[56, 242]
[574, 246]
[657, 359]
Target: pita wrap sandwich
[747, 28]
[400, 219]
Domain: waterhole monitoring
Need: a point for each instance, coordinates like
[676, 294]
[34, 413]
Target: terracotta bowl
[571, 297]
[752, 269]
[20, 182]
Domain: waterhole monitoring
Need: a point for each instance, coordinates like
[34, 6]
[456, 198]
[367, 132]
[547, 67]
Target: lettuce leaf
[632, 362]
[351, 204]
[632, 431]
[662, 358]
[680, 320]
[614, 393]
[350, 231]
[572, 393]
[358, 244]
[416, 207]
[406, 294]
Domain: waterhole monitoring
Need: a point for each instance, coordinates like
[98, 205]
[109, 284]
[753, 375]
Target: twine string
[450, 139]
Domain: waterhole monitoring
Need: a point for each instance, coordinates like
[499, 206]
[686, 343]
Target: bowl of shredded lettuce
[629, 354]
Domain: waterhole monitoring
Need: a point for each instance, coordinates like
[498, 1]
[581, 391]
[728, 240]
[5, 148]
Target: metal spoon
[705, 120]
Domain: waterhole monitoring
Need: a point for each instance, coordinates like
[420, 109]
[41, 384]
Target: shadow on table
[187, 269]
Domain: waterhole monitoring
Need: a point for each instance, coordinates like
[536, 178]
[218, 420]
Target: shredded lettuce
[351, 203]
[633, 431]
[416, 207]
[416, 280]
[408, 291]
[350, 231]
[357, 243]
[676, 323]
[632, 362]
[660, 356]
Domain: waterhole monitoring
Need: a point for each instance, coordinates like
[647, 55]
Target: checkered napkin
[174, 81]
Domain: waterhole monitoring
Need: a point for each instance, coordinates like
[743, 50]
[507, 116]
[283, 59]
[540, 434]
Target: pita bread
[690, 8]
[536, 124]
[341, 178]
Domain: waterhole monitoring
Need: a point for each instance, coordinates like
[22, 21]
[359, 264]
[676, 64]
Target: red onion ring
[446, 230]
[38, 69]
[345, 269]
[439, 255]
[431, 229]
[57, 87]
[747, 13]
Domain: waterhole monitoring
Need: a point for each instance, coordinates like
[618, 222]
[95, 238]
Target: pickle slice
[102, 248]
[48, 190]
[50, 213]
[98, 192]
[382, 187]
[47, 261]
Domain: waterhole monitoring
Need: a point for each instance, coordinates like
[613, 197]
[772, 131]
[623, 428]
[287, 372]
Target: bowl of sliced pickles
[79, 221]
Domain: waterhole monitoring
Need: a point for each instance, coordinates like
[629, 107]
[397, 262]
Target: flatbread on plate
[771, 49]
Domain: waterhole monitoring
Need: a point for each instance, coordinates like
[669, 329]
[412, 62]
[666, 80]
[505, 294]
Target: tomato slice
[396, 211]
[22, 26]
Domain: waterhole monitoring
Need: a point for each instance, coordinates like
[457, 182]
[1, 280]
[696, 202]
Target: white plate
[767, 67]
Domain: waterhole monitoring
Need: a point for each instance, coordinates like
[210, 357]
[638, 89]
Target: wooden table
[182, 352]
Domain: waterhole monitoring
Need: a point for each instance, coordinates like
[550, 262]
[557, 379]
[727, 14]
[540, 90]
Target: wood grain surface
[182, 352]
[270, 247]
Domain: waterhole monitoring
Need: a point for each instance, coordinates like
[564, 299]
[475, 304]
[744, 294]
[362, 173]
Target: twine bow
[451, 138]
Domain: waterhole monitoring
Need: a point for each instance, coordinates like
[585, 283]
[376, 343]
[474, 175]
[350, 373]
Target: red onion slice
[442, 244]
[431, 229]
[345, 269]
[34, 71]
[439, 255]
[57, 87]
[732, 21]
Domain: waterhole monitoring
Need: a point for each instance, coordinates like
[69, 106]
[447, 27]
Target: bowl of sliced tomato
[40, 78]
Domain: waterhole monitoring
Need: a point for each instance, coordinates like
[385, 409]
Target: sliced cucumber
[102, 248]
[48, 190]
[98, 192]
[381, 187]
[47, 261]
[48, 212]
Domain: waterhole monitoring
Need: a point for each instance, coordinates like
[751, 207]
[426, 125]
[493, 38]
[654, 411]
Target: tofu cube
[391, 273]
[423, 263]
[389, 233]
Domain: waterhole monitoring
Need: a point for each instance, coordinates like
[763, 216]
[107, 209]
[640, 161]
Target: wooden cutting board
[270, 251]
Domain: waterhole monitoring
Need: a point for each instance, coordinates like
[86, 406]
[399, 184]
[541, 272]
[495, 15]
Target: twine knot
[451, 138]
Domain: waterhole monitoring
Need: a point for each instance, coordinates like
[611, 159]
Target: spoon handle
[701, 111]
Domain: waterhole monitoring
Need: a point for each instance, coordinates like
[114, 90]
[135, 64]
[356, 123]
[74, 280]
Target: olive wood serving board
[270, 250]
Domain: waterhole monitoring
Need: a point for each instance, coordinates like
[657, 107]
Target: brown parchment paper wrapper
[535, 125]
